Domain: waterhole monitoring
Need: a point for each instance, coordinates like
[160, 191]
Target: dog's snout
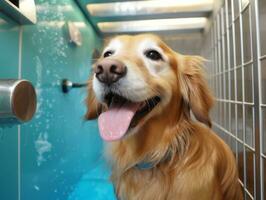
[109, 71]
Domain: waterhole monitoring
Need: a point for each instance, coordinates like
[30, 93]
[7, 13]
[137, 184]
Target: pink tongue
[114, 123]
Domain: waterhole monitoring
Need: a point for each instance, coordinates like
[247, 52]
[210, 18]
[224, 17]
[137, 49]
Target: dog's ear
[94, 108]
[194, 88]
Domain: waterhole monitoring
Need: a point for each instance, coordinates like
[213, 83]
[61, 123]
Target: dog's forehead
[134, 42]
[114, 44]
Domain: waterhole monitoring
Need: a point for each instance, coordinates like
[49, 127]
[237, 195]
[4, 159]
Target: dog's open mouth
[122, 114]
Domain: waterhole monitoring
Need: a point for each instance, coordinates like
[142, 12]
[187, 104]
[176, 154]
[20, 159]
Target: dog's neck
[162, 136]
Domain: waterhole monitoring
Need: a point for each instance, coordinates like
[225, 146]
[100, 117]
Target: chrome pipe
[67, 85]
[17, 101]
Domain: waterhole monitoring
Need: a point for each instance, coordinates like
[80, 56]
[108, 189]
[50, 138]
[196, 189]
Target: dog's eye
[107, 54]
[153, 55]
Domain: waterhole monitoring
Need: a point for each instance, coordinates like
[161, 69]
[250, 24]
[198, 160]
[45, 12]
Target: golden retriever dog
[145, 96]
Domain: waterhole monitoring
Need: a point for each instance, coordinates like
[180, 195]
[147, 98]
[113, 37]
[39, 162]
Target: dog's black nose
[109, 70]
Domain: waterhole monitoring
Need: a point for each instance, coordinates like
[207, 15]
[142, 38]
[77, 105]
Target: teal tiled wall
[9, 45]
[44, 158]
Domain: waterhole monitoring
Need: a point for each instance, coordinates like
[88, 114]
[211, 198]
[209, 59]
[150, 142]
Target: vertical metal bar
[257, 98]
[243, 94]
[216, 69]
[253, 113]
[219, 63]
[215, 64]
[228, 65]
[235, 77]
[223, 67]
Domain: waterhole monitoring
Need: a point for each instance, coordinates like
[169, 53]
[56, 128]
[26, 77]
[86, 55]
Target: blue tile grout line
[19, 127]
[19, 163]
[20, 52]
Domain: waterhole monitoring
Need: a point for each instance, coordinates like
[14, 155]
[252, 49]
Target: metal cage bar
[236, 78]
[257, 101]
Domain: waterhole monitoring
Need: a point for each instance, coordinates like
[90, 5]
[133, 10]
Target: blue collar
[145, 165]
[149, 165]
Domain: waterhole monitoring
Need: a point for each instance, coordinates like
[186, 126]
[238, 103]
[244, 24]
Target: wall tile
[57, 146]
[9, 163]
[9, 39]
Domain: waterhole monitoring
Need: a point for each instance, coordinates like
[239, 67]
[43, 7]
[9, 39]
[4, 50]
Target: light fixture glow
[153, 25]
[150, 7]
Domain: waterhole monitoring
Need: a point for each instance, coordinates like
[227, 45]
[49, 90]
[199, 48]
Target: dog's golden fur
[190, 161]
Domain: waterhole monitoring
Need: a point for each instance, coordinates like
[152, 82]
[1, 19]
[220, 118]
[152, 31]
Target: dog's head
[138, 78]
